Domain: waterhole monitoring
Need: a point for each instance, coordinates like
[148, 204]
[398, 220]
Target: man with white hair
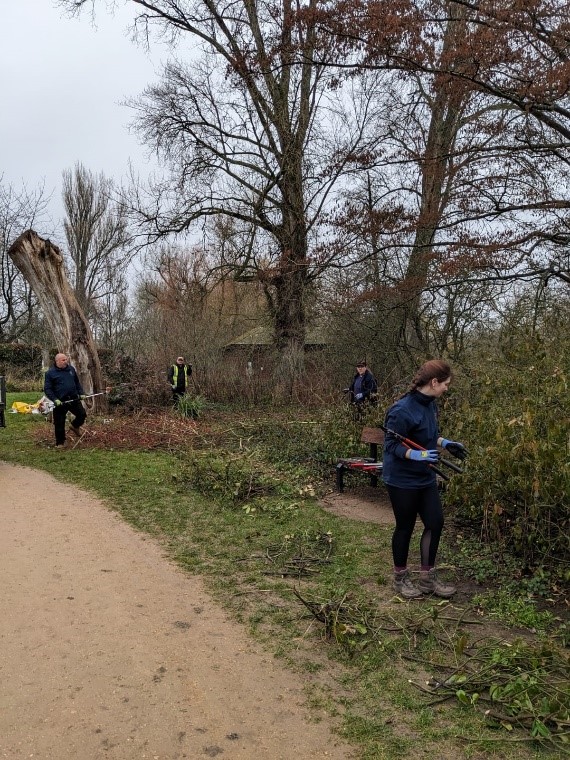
[62, 386]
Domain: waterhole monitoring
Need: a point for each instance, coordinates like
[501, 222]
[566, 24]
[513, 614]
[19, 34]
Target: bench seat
[367, 465]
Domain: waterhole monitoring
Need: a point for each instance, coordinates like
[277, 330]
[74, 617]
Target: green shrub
[307, 444]
[20, 356]
[190, 406]
[18, 382]
[229, 478]
[513, 412]
[21, 365]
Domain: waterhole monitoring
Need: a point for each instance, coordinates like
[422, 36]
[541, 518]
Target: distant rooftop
[262, 336]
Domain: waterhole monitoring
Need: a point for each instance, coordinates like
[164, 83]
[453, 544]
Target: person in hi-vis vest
[179, 377]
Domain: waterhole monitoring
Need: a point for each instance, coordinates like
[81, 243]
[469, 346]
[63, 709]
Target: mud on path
[110, 651]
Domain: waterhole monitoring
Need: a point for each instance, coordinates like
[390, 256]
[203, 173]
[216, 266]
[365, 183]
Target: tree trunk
[289, 328]
[41, 263]
[451, 96]
[289, 284]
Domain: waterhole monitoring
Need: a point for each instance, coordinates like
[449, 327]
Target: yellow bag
[21, 407]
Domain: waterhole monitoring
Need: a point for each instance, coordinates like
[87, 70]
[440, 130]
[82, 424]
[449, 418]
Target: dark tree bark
[451, 96]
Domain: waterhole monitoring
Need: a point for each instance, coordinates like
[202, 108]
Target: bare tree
[473, 176]
[98, 241]
[480, 191]
[516, 52]
[185, 306]
[18, 308]
[252, 129]
[519, 53]
[113, 321]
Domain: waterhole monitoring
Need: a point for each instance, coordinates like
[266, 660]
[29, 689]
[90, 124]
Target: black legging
[407, 504]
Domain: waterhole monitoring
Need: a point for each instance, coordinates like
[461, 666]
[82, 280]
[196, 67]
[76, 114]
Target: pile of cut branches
[516, 684]
[353, 623]
[138, 431]
[299, 555]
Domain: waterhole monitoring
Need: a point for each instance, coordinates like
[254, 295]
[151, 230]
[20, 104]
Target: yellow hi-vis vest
[175, 375]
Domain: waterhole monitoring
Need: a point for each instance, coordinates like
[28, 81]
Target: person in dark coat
[179, 377]
[63, 388]
[411, 481]
[364, 386]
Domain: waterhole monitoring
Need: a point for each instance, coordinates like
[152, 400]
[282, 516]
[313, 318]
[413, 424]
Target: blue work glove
[430, 456]
[359, 396]
[57, 402]
[455, 449]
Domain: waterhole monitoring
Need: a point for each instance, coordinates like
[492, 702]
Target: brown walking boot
[429, 583]
[77, 432]
[403, 585]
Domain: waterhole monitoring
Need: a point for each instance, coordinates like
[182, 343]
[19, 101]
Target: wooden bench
[367, 465]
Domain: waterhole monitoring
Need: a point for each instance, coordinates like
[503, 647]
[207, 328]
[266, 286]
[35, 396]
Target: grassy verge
[312, 587]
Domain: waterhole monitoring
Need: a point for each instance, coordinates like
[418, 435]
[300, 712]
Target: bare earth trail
[109, 651]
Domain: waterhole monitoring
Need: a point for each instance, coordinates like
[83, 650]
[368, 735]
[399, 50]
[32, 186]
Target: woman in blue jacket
[411, 482]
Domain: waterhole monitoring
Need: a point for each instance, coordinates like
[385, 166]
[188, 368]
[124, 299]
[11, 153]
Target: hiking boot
[429, 583]
[77, 432]
[403, 585]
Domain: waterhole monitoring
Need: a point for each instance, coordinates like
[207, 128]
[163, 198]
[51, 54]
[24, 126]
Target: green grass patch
[236, 504]
[514, 610]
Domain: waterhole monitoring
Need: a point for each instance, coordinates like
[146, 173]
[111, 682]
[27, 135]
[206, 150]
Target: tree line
[393, 171]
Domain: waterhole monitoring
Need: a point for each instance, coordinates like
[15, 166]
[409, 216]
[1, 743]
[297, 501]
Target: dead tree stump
[41, 263]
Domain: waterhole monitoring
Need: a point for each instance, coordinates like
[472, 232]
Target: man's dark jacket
[62, 384]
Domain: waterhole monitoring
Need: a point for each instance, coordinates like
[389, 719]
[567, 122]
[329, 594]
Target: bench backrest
[372, 435]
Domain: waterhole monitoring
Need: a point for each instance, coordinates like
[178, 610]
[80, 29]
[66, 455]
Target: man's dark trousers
[59, 415]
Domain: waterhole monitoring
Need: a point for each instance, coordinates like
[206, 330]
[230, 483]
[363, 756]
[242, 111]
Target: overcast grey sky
[63, 81]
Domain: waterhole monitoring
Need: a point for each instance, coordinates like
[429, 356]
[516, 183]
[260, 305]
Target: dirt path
[362, 503]
[109, 651]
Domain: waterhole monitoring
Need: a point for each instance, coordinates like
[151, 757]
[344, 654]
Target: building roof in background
[262, 336]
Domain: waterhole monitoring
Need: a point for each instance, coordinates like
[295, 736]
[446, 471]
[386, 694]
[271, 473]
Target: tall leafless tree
[491, 181]
[98, 241]
[252, 128]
